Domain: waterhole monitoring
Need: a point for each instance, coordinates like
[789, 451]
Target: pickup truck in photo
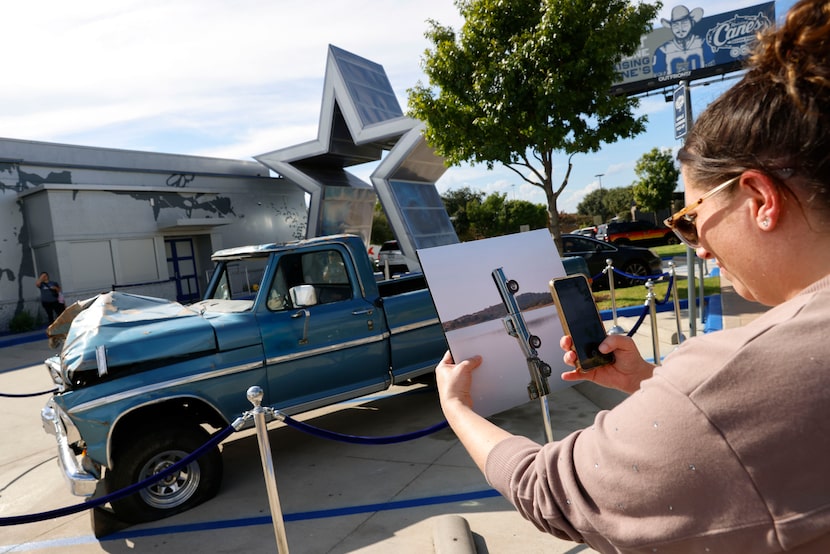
[141, 380]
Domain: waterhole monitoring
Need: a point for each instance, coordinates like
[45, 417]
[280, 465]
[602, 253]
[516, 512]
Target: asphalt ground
[415, 497]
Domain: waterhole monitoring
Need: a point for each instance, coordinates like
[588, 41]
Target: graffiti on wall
[16, 261]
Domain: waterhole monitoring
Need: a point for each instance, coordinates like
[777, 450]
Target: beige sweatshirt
[726, 449]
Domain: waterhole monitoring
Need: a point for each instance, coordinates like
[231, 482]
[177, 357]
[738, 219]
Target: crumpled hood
[133, 329]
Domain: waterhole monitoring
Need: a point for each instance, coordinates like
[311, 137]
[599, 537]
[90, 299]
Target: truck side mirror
[302, 296]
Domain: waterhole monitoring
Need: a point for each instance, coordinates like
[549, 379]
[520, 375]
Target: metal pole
[652, 309]
[609, 270]
[690, 266]
[255, 395]
[702, 289]
[673, 273]
[546, 417]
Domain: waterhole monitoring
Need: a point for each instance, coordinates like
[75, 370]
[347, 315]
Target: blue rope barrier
[640, 277]
[668, 291]
[126, 491]
[27, 395]
[357, 439]
[640, 320]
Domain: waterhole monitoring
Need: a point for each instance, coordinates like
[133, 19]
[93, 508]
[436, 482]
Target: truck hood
[116, 330]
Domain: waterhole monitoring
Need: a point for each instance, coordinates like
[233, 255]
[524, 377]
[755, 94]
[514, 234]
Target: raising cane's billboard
[689, 46]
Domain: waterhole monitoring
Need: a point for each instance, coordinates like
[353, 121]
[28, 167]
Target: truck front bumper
[81, 482]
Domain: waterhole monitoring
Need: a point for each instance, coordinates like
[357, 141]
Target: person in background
[50, 291]
[725, 446]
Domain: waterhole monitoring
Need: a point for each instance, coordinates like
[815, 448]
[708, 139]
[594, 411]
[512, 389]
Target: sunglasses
[683, 222]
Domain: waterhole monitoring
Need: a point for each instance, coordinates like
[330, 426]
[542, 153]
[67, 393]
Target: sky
[239, 79]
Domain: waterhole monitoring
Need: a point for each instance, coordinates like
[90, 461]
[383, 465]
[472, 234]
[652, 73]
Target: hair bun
[796, 53]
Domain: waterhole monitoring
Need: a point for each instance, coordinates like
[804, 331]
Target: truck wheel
[149, 454]
[512, 286]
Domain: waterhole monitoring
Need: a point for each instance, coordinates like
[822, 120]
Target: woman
[726, 446]
[49, 296]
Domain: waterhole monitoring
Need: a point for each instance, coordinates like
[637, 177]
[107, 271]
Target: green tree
[488, 218]
[618, 201]
[592, 205]
[658, 175]
[381, 230]
[522, 212]
[607, 203]
[524, 79]
[458, 204]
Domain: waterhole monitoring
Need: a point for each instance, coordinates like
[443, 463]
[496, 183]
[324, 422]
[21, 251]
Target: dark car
[633, 260]
[641, 233]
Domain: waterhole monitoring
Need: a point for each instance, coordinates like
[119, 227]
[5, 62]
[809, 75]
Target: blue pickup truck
[141, 380]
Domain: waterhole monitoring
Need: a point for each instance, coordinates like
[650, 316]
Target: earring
[765, 222]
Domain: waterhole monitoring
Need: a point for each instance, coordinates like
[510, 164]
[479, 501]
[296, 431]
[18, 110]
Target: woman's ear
[766, 198]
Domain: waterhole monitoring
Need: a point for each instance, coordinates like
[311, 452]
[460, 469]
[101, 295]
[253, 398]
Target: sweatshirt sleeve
[643, 474]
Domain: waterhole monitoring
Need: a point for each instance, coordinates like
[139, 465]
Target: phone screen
[580, 319]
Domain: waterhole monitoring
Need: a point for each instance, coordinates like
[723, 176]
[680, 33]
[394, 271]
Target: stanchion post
[652, 309]
[676, 300]
[701, 290]
[690, 268]
[255, 395]
[609, 270]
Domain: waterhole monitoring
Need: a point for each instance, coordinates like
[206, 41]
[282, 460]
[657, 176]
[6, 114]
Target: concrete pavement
[407, 498]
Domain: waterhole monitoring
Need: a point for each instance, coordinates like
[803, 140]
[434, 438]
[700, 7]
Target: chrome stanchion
[652, 309]
[255, 395]
[609, 270]
[692, 293]
[678, 338]
[701, 290]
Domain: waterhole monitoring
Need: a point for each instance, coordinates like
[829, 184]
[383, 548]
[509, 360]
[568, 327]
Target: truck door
[331, 344]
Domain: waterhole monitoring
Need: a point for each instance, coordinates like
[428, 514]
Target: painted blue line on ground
[260, 520]
[303, 516]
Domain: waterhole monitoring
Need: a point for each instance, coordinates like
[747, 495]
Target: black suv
[639, 233]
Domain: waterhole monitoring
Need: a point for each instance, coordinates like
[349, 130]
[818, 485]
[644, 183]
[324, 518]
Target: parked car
[641, 233]
[586, 231]
[633, 260]
[390, 253]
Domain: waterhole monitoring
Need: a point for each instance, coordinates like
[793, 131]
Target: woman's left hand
[455, 380]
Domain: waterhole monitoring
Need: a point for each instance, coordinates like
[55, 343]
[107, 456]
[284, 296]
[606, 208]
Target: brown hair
[777, 117]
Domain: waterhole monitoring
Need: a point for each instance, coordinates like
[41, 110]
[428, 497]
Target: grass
[636, 295]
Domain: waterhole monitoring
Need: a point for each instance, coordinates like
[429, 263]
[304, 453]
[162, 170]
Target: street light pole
[601, 207]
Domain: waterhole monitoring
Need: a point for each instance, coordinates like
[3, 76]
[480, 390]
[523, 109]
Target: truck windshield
[239, 280]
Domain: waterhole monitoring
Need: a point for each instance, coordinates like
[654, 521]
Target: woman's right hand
[625, 374]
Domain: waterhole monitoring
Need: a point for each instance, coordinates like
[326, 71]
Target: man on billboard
[686, 51]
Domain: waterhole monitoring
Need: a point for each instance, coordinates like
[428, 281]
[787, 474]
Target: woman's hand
[476, 433]
[454, 380]
[625, 374]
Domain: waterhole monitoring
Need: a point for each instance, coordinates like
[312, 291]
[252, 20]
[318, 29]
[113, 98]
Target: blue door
[181, 266]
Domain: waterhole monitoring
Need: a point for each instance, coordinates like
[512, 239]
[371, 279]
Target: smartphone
[580, 319]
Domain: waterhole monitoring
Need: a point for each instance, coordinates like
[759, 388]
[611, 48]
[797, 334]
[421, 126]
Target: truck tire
[155, 451]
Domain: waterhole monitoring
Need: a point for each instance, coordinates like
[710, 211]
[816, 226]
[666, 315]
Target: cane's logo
[737, 34]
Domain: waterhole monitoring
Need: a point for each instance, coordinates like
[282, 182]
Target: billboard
[690, 46]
